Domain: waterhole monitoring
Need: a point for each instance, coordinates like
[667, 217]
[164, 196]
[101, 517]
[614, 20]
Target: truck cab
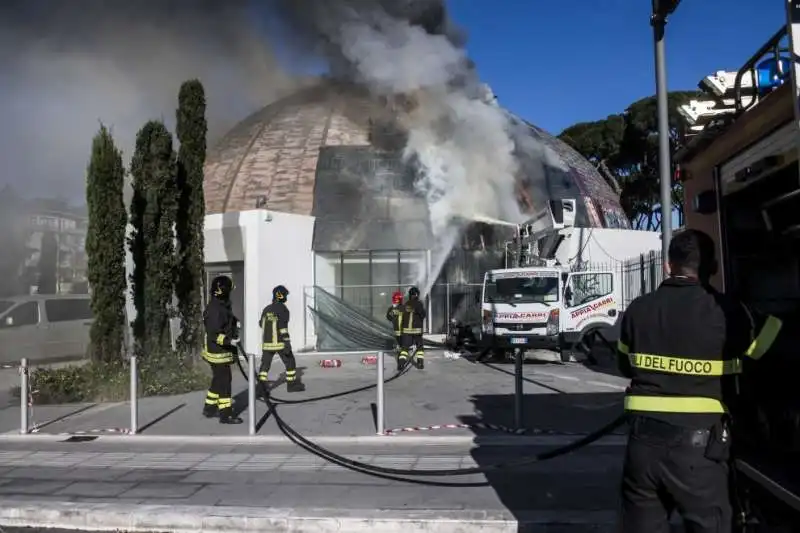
[547, 308]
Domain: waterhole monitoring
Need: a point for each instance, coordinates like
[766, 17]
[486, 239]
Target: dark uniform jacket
[682, 347]
[395, 315]
[275, 327]
[221, 327]
[413, 316]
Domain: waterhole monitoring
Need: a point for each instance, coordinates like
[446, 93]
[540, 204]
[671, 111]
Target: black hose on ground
[366, 468]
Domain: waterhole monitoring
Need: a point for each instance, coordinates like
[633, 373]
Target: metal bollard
[134, 379]
[23, 397]
[380, 422]
[519, 394]
[251, 394]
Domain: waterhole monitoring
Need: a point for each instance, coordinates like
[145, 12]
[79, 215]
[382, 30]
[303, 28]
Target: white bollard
[251, 394]
[23, 396]
[134, 379]
[379, 403]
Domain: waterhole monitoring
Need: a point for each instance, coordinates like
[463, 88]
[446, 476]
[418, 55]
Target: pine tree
[191, 131]
[105, 247]
[48, 264]
[152, 244]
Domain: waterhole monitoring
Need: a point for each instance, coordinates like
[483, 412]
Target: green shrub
[101, 381]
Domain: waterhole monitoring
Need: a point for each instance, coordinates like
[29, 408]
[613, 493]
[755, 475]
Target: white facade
[275, 249]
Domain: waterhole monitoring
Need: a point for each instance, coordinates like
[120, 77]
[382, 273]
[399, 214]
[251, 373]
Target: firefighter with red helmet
[395, 315]
[414, 315]
[220, 348]
[275, 340]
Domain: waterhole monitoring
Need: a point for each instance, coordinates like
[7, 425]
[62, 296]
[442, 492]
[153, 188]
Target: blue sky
[560, 62]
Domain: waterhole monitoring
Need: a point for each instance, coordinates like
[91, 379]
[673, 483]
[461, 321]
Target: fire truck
[742, 186]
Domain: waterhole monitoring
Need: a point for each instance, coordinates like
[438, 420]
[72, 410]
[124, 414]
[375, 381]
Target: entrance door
[590, 301]
[235, 271]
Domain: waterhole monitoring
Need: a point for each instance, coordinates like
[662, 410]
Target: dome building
[312, 191]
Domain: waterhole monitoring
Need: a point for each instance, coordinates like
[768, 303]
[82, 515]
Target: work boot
[420, 363]
[210, 411]
[401, 364]
[295, 386]
[262, 389]
[229, 418]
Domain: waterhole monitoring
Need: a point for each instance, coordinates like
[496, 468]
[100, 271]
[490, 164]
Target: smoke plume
[67, 65]
[466, 147]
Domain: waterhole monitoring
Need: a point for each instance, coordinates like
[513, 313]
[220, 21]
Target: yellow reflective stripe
[766, 337]
[211, 401]
[410, 321]
[283, 330]
[623, 348]
[210, 394]
[272, 346]
[415, 331]
[274, 332]
[291, 372]
[419, 354]
[217, 357]
[220, 339]
[684, 365]
[674, 404]
[225, 402]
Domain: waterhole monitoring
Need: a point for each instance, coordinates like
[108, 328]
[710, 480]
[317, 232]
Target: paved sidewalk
[183, 488]
[559, 399]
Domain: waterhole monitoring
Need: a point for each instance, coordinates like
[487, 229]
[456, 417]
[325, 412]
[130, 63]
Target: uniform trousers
[407, 341]
[219, 392]
[666, 471]
[288, 359]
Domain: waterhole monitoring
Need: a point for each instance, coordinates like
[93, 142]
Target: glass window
[26, 314]
[523, 287]
[412, 268]
[385, 280]
[64, 310]
[356, 278]
[588, 286]
[328, 272]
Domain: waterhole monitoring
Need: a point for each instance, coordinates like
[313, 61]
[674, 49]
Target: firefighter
[221, 345]
[275, 328]
[395, 315]
[413, 316]
[682, 347]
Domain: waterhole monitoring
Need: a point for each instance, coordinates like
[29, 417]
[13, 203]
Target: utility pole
[661, 10]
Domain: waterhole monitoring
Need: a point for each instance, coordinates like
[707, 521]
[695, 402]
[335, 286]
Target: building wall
[276, 250]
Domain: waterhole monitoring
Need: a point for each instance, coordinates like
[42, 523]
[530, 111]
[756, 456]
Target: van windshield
[5, 305]
[524, 288]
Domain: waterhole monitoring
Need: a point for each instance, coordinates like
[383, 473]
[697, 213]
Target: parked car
[44, 327]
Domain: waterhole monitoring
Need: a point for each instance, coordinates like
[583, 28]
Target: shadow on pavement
[584, 482]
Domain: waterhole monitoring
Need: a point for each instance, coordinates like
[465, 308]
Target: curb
[268, 440]
[193, 519]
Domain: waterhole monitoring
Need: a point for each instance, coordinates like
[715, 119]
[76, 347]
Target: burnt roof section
[364, 199]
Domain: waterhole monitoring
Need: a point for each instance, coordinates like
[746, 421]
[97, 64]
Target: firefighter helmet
[413, 292]
[397, 297]
[221, 287]
[279, 293]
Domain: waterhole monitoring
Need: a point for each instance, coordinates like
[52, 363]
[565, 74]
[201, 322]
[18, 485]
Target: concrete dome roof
[275, 154]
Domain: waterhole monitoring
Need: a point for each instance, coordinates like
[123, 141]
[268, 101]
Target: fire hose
[366, 468]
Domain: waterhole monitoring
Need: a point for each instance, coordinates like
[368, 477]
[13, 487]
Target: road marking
[548, 374]
[605, 384]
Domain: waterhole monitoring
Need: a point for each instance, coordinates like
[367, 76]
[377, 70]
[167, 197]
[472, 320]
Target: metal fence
[638, 276]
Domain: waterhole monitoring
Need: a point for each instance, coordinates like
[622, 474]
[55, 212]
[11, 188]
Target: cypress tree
[105, 246]
[152, 243]
[191, 131]
[48, 264]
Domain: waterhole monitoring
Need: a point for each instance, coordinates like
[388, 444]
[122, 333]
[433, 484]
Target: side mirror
[9, 321]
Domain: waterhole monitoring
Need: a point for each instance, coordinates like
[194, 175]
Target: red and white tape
[330, 363]
[481, 425]
[370, 360]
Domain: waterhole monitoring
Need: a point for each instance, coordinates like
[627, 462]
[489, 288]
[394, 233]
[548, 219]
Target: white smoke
[463, 146]
[66, 66]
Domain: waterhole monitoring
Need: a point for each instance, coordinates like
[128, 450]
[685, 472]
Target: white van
[44, 327]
